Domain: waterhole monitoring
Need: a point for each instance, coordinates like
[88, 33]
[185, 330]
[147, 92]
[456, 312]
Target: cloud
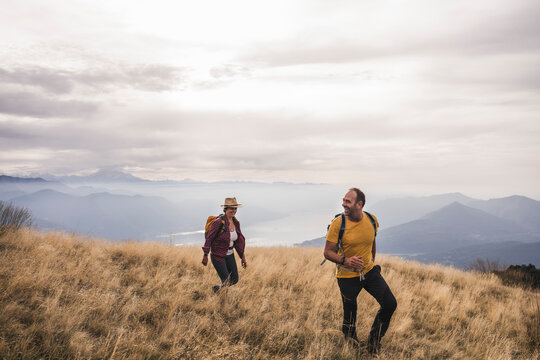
[229, 71]
[28, 104]
[54, 81]
[152, 78]
[423, 31]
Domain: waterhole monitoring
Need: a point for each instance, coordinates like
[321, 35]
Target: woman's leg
[221, 268]
[232, 269]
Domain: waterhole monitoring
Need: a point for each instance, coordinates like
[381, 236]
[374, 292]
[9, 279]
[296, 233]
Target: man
[357, 270]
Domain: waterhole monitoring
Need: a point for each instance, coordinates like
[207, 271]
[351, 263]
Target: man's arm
[330, 253]
[373, 249]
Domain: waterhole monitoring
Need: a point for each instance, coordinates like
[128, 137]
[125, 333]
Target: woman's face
[231, 211]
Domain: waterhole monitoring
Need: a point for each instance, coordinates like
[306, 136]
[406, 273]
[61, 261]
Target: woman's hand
[244, 262]
[205, 260]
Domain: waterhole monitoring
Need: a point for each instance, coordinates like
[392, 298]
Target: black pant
[226, 269]
[376, 286]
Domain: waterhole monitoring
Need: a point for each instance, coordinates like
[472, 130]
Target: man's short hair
[359, 195]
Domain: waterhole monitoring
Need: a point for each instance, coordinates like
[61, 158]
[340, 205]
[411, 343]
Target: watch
[342, 260]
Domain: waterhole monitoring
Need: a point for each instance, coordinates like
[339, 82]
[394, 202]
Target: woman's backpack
[210, 221]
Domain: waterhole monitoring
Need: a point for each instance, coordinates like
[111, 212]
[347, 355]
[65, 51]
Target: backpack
[342, 230]
[210, 221]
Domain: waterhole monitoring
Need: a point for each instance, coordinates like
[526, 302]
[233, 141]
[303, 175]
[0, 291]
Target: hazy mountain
[318, 242]
[101, 176]
[8, 195]
[11, 186]
[451, 227]
[4, 179]
[521, 209]
[506, 253]
[106, 215]
[393, 212]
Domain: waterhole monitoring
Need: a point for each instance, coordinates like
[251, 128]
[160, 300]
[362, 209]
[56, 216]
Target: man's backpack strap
[373, 222]
[341, 232]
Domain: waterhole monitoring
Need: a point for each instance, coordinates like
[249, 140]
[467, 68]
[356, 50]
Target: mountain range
[451, 227]
[116, 217]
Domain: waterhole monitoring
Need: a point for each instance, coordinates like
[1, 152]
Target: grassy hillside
[67, 297]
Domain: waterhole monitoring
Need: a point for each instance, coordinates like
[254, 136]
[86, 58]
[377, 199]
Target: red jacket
[217, 241]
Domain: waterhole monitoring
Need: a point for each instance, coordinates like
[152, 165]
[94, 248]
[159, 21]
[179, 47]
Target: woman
[223, 237]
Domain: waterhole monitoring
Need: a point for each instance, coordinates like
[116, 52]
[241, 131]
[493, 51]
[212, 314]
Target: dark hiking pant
[376, 286]
[226, 269]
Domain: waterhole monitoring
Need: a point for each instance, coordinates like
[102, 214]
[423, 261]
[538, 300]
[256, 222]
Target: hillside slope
[69, 297]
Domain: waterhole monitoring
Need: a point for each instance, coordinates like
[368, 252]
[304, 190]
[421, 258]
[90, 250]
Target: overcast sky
[399, 96]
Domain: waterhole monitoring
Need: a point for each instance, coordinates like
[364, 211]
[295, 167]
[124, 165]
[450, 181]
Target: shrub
[486, 266]
[521, 275]
[13, 217]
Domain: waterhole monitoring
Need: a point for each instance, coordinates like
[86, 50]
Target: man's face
[350, 206]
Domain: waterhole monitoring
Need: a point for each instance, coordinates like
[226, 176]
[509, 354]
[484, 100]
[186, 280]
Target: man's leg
[350, 288]
[377, 287]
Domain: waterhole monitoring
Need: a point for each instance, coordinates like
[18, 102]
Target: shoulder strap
[373, 222]
[222, 219]
[341, 232]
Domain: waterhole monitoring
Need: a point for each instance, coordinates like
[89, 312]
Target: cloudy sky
[401, 96]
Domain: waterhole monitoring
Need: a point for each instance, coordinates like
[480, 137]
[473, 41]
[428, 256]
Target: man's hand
[354, 262]
[244, 262]
[205, 260]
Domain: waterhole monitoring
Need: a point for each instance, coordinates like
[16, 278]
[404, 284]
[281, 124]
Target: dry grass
[67, 297]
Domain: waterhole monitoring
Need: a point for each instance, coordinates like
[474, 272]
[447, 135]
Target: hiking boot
[353, 340]
[373, 347]
[349, 331]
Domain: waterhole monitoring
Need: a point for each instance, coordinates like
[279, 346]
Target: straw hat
[231, 202]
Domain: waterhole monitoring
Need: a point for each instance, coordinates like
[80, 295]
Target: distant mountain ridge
[397, 211]
[118, 176]
[100, 176]
[506, 253]
[13, 179]
[116, 217]
[521, 209]
[12, 186]
[451, 227]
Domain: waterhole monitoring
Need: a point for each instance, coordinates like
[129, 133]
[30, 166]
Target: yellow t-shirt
[357, 241]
